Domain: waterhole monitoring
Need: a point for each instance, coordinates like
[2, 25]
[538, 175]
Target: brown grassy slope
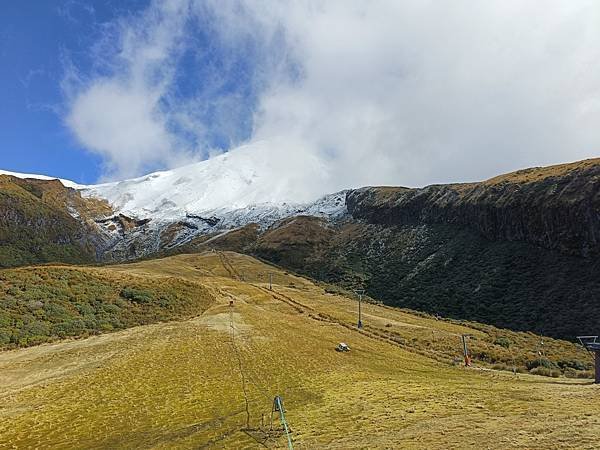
[536, 174]
[178, 384]
[55, 194]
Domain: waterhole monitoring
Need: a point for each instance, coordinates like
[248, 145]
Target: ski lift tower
[359, 293]
[592, 345]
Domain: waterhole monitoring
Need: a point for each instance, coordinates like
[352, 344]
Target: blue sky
[40, 42]
[35, 38]
[388, 92]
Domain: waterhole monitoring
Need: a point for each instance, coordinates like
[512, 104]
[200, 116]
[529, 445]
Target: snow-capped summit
[242, 179]
[250, 184]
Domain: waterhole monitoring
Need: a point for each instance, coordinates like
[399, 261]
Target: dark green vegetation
[453, 272]
[35, 226]
[43, 304]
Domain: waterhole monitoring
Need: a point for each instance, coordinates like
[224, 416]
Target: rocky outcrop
[555, 207]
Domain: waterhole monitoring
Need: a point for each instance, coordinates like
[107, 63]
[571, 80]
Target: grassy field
[181, 384]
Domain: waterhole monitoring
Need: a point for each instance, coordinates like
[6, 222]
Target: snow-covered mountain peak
[228, 182]
[251, 184]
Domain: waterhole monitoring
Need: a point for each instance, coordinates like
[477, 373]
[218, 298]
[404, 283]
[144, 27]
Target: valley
[299, 225]
[180, 384]
[517, 251]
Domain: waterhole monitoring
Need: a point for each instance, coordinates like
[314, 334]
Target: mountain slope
[44, 304]
[42, 221]
[518, 251]
[555, 207]
[447, 270]
[210, 381]
[215, 187]
[521, 250]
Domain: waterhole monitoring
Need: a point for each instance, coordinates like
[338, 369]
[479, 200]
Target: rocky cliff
[554, 207]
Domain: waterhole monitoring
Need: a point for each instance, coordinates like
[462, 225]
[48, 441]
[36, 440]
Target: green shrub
[4, 337]
[586, 374]
[136, 295]
[111, 308]
[546, 372]
[51, 303]
[85, 309]
[573, 364]
[540, 362]
[502, 341]
[572, 373]
[12, 291]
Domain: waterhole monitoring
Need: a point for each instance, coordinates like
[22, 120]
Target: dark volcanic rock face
[556, 207]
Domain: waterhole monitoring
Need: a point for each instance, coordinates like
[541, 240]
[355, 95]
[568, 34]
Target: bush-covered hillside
[448, 270]
[43, 304]
[35, 226]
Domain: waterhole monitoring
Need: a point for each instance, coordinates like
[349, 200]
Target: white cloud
[122, 124]
[381, 92]
[421, 92]
[120, 115]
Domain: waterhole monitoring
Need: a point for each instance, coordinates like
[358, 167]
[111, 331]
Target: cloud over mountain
[380, 92]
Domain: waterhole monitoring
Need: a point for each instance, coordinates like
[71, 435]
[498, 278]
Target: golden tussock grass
[178, 384]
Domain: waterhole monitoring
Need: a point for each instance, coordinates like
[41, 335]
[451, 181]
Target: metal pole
[466, 350]
[278, 407]
[285, 425]
[270, 281]
[360, 293]
[359, 311]
[597, 366]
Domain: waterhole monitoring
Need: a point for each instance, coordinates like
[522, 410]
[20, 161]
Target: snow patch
[66, 183]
